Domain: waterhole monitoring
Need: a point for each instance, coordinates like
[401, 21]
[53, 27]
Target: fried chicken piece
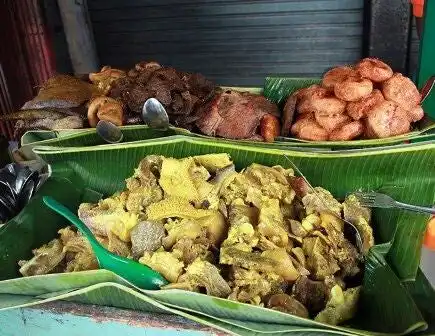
[359, 109]
[307, 128]
[402, 91]
[348, 131]
[387, 119]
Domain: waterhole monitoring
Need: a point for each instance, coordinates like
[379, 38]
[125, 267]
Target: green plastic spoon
[139, 275]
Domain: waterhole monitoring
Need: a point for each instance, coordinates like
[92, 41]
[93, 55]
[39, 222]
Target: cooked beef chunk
[235, 115]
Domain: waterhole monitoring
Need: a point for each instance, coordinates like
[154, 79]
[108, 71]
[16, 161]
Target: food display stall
[255, 184]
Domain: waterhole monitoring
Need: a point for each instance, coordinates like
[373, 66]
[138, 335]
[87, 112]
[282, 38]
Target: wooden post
[79, 35]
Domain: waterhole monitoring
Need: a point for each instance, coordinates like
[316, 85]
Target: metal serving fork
[377, 200]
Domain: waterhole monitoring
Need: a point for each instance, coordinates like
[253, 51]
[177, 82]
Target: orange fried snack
[307, 128]
[401, 90]
[374, 69]
[353, 88]
[348, 131]
[387, 119]
[359, 109]
[336, 75]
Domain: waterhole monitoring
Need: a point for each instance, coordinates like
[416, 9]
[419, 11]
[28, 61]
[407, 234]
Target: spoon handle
[76, 221]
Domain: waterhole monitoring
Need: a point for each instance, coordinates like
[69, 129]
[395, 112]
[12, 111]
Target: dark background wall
[234, 42]
[239, 42]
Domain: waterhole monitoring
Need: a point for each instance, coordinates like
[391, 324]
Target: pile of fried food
[367, 100]
[260, 236]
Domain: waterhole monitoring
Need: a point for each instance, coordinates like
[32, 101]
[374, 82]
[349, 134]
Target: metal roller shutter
[234, 42]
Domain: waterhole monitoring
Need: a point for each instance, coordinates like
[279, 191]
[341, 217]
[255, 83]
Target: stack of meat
[181, 93]
[191, 101]
[364, 101]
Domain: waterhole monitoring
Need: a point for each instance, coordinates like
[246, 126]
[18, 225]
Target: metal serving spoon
[153, 114]
[109, 132]
[140, 275]
[355, 232]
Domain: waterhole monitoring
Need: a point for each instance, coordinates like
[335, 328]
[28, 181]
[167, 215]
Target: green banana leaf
[277, 89]
[116, 295]
[142, 133]
[383, 295]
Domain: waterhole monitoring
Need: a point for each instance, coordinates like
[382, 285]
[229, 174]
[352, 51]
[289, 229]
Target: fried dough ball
[332, 121]
[416, 113]
[359, 108]
[336, 75]
[401, 90]
[353, 88]
[374, 69]
[327, 104]
[348, 131]
[307, 128]
[387, 119]
[305, 97]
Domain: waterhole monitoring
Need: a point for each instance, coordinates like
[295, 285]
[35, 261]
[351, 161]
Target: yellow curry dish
[260, 236]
